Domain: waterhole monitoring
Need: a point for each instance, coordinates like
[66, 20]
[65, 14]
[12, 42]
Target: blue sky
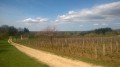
[64, 15]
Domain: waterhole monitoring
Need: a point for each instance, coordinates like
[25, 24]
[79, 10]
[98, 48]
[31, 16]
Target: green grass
[11, 57]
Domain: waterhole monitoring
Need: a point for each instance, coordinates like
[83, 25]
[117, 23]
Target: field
[98, 50]
[11, 57]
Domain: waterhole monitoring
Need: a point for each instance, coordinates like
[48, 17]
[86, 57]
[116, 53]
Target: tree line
[103, 32]
[94, 33]
[6, 31]
[100, 32]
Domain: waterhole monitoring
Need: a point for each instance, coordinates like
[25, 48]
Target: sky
[64, 15]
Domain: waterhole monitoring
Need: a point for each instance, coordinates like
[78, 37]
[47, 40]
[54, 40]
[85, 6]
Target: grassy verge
[11, 57]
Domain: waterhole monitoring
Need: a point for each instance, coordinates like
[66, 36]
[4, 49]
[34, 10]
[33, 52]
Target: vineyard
[105, 49]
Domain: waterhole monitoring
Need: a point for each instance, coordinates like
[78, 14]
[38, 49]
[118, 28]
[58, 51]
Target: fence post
[104, 49]
[96, 51]
[111, 46]
[83, 46]
[96, 56]
[117, 47]
[21, 37]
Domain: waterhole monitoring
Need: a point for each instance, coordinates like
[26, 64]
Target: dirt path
[50, 59]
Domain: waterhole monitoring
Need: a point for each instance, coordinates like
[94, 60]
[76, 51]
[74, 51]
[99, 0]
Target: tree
[12, 31]
[26, 30]
[23, 31]
[3, 31]
[6, 31]
[102, 30]
[50, 31]
[20, 31]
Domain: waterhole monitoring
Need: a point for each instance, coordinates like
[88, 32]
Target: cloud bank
[98, 15]
[105, 12]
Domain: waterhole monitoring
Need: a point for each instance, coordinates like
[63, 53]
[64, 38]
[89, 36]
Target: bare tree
[50, 31]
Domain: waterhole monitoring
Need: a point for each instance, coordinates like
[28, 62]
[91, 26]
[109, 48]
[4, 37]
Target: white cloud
[104, 24]
[96, 24]
[34, 20]
[71, 12]
[101, 13]
[117, 23]
[80, 25]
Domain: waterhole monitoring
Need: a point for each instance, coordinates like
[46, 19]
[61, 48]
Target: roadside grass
[11, 57]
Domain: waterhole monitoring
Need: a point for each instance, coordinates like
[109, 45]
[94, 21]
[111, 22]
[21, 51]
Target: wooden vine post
[104, 50]
[117, 47]
[111, 46]
[83, 46]
[96, 56]
[21, 37]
